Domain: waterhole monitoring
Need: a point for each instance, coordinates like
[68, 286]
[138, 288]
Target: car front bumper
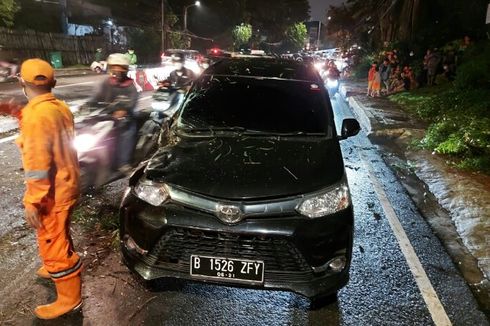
[294, 249]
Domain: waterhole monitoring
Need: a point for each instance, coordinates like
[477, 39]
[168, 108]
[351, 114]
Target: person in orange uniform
[52, 183]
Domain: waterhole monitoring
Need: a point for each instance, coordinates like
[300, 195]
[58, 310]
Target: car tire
[322, 301]
[86, 180]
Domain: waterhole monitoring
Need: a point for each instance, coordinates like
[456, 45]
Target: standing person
[433, 61]
[425, 67]
[385, 72]
[99, 56]
[371, 73]
[407, 81]
[52, 184]
[376, 88]
[133, 59]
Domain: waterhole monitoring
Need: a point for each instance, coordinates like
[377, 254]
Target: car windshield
[260, 106]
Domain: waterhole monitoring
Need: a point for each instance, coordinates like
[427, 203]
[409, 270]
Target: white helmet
[118, 59]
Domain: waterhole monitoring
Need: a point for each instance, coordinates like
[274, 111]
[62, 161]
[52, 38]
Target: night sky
[319, 7]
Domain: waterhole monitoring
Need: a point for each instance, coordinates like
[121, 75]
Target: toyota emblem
[230, 214]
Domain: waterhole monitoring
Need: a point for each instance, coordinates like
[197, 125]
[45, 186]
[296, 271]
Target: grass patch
[103, 218]
[459, 123]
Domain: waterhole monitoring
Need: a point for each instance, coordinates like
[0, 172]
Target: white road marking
[7, 139]
[145, 98]
[431, 299]
[76, 84]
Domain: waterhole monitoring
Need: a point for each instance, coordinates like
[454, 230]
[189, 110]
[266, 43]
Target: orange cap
[37, 72]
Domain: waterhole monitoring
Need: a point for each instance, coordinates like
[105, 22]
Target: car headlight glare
[151, 192]
[85, 142]
[332, 83]
[330, 202]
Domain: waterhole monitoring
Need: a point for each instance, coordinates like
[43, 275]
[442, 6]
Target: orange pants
[56, 246]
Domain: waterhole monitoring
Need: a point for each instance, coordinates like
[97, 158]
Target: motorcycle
[332, 82]
[96, 142]
[166, 101]
[99, 66]
[7, 71]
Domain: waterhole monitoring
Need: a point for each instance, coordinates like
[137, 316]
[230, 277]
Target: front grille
[176, 246]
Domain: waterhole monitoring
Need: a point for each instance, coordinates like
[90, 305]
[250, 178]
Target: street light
[163, 26]
[195, 4]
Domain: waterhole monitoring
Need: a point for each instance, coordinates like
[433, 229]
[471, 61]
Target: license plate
[227, 269]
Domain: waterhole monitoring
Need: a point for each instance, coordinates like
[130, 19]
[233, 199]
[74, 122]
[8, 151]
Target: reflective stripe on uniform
[67, 271]
[36, 175]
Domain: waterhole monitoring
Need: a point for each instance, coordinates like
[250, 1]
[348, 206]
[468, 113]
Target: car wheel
[322, 301]
[86, 180]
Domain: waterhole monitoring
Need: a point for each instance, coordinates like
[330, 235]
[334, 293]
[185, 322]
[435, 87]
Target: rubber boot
[69, 298]
[43, 273]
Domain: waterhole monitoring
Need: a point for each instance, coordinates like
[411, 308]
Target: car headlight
[332, 83]
[85, 142]
[160, 105]
[151, 192]
[329, 202]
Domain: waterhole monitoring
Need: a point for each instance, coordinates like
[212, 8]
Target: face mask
[205, 65]
[179, 66]
[131, 51]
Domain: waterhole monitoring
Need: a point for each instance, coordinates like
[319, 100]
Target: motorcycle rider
[133, 59]
[332, 70]
[181, 78]
[10, 67]
[205, 63]
[117, 86]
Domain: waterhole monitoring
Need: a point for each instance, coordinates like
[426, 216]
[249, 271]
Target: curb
[363, 116]
[73, 72]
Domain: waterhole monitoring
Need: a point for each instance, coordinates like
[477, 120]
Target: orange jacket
[371, 73]
[49, 158]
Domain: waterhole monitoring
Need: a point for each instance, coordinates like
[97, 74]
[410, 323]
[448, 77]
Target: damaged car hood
[241, 168]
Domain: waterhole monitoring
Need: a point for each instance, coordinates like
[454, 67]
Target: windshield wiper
[212, 130]
[287, 134]
[252, 132]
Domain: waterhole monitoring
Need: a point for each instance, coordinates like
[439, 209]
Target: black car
[248, 186]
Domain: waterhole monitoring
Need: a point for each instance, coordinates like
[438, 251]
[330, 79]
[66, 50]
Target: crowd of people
[392, 76]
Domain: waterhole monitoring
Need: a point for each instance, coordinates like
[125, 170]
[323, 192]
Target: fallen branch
[121, 279]
[141, 307]
[114, 289]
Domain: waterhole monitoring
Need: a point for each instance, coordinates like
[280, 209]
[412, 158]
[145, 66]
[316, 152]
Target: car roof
[266, 67]
[181, 51]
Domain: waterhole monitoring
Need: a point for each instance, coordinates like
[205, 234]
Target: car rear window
[271, 68]
[187, 54]
[265, 105]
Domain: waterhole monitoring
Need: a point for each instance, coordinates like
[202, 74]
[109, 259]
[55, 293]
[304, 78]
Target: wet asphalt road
[382, 289]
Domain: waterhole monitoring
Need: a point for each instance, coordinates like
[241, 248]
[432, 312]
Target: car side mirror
[350, 127]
